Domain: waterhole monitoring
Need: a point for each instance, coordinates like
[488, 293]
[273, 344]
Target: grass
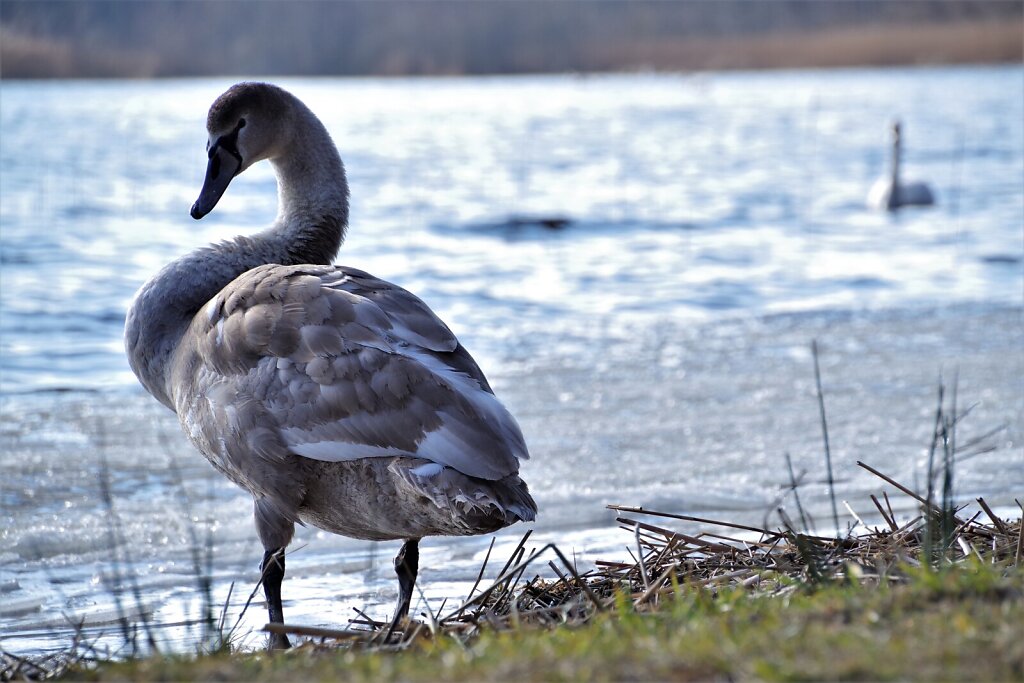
[962, 622]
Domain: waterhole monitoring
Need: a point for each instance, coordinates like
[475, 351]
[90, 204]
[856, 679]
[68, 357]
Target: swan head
[897, 132]
[246, 124]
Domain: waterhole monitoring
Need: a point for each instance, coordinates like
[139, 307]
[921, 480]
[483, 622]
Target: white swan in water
[888, 193]
[333, 397]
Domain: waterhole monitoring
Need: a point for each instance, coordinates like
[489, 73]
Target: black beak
[225, 163]
[223, 166]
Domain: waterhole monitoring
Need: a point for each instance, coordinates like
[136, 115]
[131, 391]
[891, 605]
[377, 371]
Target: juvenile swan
[335, 398]
[888, 193]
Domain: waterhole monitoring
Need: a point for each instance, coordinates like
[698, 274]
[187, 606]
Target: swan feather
[332, 364]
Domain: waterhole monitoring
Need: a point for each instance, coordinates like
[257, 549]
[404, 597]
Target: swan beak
[221, 169]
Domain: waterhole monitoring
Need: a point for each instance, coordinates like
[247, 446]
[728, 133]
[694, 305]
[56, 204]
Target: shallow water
[655, 350]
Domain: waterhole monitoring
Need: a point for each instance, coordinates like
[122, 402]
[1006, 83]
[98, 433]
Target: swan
[335, 398]
[888, 193]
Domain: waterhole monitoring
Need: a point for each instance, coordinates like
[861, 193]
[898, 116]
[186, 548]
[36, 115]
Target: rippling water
[690, 197]
[654, 347]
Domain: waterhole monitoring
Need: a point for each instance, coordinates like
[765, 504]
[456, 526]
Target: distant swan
[888, 193]
[333, 397]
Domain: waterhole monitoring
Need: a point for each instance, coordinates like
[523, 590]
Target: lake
[654, 345]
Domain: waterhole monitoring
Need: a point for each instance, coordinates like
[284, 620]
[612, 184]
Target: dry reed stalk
[315, 632]
[888, 519]
[995, 520]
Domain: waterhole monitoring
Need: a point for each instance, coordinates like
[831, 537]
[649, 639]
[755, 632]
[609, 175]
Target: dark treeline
[45, 38]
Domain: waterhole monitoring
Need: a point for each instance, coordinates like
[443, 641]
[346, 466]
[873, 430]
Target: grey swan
[889, 192]
[335, 398]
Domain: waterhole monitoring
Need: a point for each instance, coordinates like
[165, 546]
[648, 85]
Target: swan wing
[333, 364]
[416, 323]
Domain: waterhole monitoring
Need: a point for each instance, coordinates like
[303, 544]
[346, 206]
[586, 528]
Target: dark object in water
[549, 222]
[1008, 259]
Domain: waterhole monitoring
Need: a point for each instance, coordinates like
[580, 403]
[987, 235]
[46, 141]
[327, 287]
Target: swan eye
[229, 143]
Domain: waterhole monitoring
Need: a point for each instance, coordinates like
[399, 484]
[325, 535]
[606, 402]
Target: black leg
[273, 574]
[407, 563]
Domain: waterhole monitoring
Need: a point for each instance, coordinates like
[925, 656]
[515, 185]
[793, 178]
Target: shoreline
[979, 42]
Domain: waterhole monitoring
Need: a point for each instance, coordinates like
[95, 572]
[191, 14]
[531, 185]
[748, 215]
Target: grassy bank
[937, 597]
[960, 623]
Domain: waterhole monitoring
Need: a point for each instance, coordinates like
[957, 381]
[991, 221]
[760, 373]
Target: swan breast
[289, 365]
[880, 195]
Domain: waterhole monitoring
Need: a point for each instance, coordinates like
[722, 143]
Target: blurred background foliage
[155, 38]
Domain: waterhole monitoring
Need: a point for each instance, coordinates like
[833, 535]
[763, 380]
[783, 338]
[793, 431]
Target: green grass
[965, 622]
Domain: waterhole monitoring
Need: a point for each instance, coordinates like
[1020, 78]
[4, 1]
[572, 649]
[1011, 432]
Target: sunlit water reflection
[655, 349]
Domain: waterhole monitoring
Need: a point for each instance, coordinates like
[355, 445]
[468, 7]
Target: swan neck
[896, 151]
[310, 226]
[312, 198]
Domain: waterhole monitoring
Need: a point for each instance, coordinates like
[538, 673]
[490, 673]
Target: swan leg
[273, 574]
[407, 564]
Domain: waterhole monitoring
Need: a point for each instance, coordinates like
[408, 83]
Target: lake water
[655, 349]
